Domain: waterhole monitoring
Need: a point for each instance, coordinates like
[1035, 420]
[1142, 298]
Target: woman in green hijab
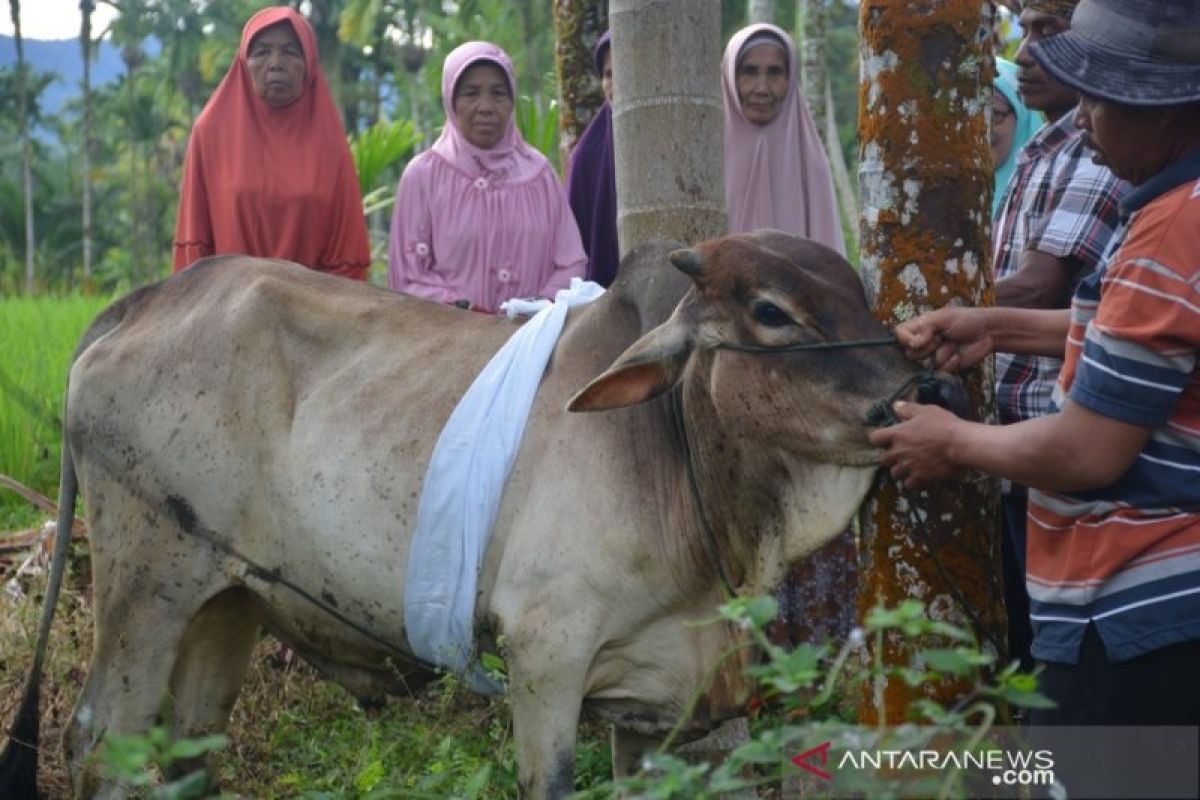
[1012, 126]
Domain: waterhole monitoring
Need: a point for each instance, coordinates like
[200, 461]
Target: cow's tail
[18, 764]
[19, 759]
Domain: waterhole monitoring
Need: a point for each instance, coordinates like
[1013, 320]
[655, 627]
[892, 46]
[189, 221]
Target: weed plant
[814, 692]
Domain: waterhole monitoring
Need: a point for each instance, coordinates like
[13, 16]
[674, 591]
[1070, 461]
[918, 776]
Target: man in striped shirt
[1114, 525]
[1057, 216]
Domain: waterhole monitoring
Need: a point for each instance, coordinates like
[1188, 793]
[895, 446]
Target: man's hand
[956, 337]
[918, 448]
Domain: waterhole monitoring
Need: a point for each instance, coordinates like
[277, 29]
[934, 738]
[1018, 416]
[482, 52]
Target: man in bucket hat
[1114, 523]
[1056, 218]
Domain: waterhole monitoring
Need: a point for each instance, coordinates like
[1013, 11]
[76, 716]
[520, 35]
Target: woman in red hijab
[268, 171]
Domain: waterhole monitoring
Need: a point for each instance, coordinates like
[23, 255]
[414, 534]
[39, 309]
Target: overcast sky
[53, 19]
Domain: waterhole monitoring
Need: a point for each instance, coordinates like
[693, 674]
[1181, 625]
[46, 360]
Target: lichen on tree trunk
[578, 25]
[924, 180]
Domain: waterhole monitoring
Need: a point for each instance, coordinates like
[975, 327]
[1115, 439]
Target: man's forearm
[1028, 331]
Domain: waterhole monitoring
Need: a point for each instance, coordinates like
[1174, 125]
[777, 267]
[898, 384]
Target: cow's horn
[689, 262]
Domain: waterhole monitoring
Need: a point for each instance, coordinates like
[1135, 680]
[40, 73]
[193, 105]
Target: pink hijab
[481, 226]
[776, 175]
[512, 158]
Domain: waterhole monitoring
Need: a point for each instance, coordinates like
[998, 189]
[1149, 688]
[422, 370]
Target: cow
[250, 439]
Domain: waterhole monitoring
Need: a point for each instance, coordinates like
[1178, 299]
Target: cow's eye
[771, 315]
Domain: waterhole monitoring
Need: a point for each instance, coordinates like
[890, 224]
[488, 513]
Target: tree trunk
[924, 176]
[324, 16]
[813, 71]
[760, 11]
[847, 200]
[533, 67]
[667, 120]
[132, 56]
[578, 25]
[14, 7]
[817, 85]
[85, 42]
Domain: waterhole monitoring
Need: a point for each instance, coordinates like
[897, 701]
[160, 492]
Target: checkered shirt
[1059, 203]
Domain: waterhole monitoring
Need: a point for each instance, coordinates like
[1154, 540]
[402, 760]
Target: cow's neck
[765, 508]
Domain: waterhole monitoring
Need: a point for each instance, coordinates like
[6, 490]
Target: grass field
[37, 337]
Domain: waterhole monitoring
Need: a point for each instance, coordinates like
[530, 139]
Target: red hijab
[272, 182]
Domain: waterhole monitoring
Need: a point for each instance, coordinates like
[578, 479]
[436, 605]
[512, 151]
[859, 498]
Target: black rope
[803, 346]
[882, 415]
[186, 518]
[710, 538]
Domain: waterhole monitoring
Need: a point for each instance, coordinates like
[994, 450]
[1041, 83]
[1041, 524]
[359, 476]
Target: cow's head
[768, 290]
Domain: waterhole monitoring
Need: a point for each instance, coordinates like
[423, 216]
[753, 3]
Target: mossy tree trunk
[667, 120]
[578, 25]
[924, 181]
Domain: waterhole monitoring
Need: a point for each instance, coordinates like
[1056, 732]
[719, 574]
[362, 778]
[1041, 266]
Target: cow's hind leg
[213, 659]
[127, 680]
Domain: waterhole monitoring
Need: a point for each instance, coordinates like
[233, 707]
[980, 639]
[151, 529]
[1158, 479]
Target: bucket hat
[1133, 52]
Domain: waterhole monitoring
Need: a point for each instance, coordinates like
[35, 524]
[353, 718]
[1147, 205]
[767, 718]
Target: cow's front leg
[547, 693]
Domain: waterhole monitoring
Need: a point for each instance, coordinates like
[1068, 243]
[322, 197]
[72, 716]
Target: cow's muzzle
[948, 392]
[931, 388]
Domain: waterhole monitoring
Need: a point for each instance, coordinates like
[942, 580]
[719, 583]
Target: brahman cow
[250, 440]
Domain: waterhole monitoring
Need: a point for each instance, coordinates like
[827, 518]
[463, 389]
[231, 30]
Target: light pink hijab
[479, 225]
[776, 175]
[512, 157]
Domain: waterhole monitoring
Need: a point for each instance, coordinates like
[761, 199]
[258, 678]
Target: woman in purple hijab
[592, 182]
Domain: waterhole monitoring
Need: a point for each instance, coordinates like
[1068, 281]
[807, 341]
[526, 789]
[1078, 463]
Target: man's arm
[959, 337]
[1041, 281]
[1075, 450]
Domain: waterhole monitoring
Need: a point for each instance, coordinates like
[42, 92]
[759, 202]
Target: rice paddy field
[37, 337]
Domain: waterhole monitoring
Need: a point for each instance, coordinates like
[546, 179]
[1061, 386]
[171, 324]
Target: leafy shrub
[812, 690]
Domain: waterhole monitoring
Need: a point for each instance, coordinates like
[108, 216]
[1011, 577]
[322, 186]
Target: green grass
[37, 337]
[317, 744]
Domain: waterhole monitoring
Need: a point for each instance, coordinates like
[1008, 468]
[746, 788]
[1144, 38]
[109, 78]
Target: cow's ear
[651, 366]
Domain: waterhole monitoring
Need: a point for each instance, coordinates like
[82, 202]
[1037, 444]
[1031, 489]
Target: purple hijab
[592, 187]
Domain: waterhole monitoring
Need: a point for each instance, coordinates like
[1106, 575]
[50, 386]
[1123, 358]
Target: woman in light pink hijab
[481, 216]
[776, 172]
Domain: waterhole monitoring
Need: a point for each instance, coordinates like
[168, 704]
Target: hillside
[63, 58]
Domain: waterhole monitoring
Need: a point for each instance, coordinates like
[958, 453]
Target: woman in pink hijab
[776, 172]
[481, 217]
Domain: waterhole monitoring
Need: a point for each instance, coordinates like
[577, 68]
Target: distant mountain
[63, 58]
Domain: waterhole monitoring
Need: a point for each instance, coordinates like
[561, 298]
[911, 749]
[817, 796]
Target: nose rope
[880, 414]
[802, 346]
